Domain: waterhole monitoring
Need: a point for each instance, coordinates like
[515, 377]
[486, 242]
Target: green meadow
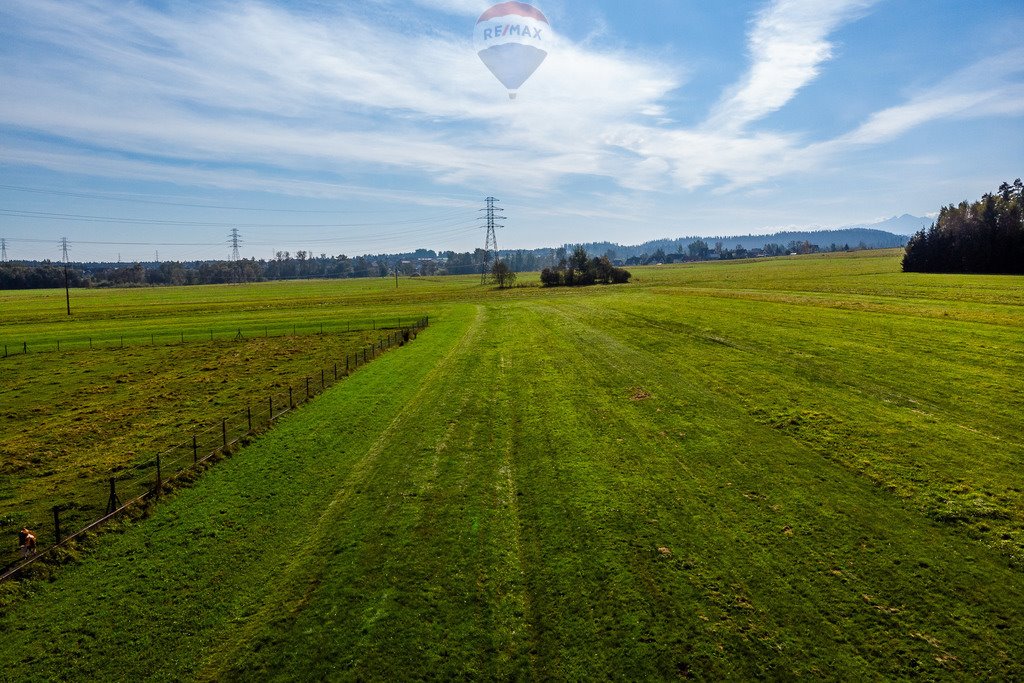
[776, 468]
[133, 372]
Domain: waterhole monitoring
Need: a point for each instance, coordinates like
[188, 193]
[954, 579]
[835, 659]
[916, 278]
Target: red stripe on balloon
[504, 9]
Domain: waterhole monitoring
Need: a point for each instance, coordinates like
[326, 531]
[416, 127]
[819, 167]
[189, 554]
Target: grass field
[133, 372]
[792, 467]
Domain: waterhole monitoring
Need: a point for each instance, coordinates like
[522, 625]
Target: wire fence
[145, 480]
[118, 340]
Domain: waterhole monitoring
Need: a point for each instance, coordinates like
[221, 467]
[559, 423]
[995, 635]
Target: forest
[986, 236]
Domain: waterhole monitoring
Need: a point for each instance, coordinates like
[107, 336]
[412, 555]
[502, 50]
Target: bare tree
[503, 275]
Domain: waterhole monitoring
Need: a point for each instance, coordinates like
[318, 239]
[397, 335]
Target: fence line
[108, 341]
[154, 474]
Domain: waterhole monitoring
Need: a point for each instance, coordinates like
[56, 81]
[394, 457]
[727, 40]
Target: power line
[138, 200]
[427, 232]
[90, 218]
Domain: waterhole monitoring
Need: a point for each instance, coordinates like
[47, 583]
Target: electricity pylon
[236, 240]
[491, 241]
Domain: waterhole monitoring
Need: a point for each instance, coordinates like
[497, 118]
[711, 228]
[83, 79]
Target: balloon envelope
[512, 39]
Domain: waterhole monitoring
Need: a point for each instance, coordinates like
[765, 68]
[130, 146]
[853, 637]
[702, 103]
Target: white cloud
[788, 44]
[344, 97]
[991, 87]
[257, 84]
[465, 7]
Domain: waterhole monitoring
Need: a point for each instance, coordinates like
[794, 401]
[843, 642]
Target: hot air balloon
[511, 39]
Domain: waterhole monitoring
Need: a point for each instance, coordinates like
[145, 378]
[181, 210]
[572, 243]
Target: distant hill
[853, 237]
[900, 225]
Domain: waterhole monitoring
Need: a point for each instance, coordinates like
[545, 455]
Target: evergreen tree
[984, 237]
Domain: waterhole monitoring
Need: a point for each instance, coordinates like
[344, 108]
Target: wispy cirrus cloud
[990, 87]
[255, 83]
[462, 7]
[270, 92]
[788, 44]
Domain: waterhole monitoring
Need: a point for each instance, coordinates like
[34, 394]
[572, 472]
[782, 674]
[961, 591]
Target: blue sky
[136, 128]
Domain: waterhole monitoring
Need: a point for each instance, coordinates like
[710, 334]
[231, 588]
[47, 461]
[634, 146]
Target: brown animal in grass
[26, 542]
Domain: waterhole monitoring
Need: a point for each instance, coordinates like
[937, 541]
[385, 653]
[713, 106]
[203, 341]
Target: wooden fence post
[290, 403]
[195, 450]
[322, 382]
[335, 372]
[114, 502]
[271, 401]
[248, 415]
[224, 431]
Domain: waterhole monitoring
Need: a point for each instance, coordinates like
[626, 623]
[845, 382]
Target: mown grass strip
[194, 547]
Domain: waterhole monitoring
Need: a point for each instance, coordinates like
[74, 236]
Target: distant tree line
[778, 244]
[45, 275]
[14, 275]
[284, 266]
[421, 262]
[986, 236]
[700, 250]
[581, 270]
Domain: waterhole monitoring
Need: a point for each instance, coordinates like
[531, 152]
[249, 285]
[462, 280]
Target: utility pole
[491, 241]
[67, 288]
[396, 276]
[235, 241]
